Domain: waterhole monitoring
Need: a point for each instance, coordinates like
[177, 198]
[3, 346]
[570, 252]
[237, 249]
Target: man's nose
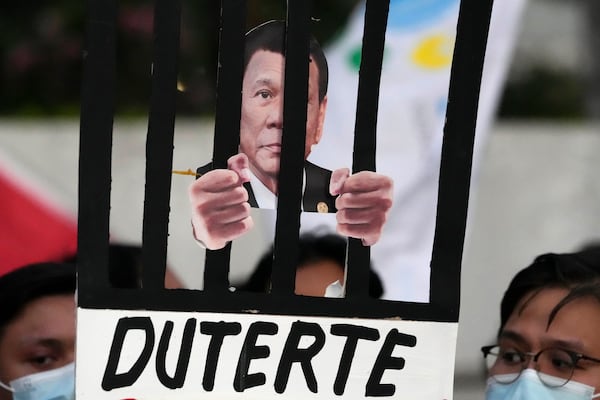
[530, 362]
[275, 116]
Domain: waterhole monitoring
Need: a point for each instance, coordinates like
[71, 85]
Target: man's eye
[511, 357]
[264, 94]
[560, 360]
[42, 361]
[561, 364]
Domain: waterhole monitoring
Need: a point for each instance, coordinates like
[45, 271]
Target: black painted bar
[183, 300]
[457, 153]
[365, 130]
[159, 142]
[95, 145]
[295, 102]
[227, 119]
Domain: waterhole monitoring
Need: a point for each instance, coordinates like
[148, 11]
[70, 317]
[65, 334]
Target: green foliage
[40, 51]
[41, 44]
[546, 94]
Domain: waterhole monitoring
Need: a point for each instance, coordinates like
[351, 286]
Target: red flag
[31, 229]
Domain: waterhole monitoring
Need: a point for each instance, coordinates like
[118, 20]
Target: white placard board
[407, 359]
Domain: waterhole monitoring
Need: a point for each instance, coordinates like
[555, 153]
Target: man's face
[574, 328]
[41, 338]
[313, 278]
[262, 113]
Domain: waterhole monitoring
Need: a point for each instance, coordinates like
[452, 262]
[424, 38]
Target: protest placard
[219, 343]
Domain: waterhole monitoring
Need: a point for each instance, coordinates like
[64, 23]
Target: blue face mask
[529, 387]
[56, 384]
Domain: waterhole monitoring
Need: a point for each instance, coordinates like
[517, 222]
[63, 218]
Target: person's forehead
[266, 61]
[529, 319]
[574, 326]
[47, 321]
[262, 64]
[47, 311]
[578, 321]
[539, 301]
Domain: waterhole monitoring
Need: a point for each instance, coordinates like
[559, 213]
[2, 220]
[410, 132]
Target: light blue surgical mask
[55, 384]
[528, 386]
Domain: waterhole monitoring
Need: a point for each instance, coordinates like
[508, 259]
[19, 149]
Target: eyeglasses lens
[554, 366]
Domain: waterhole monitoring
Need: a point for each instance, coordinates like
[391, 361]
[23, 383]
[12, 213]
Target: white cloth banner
[414, 90]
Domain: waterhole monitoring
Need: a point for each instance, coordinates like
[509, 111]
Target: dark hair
[589, 290]
[124, 265]
[312, 248]
[270, 36]
[568, 270]
[31, 282]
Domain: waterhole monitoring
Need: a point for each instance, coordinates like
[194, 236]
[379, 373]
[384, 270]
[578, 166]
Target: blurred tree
[40, 52]
[41, 43]
[593, 37]
[544, 93]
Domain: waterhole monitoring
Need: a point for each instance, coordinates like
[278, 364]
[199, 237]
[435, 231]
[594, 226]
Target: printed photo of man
[221, 199]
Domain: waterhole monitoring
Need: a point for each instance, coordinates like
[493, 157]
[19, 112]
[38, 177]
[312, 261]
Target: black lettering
[250, 351]
[292, 354]
[112, 380]
[184, 354]
[353, 333]
[385, 361]
[217, 331]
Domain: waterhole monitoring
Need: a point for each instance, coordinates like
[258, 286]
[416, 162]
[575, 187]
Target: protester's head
[551, 271]
[548, 343]
[125, 267]
[321, 262]
[37, 331]
[262, 100]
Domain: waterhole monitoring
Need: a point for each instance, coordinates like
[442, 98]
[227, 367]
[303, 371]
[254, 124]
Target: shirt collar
[264, 197]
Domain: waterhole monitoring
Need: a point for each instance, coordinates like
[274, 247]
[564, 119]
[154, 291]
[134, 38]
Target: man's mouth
[273, 147]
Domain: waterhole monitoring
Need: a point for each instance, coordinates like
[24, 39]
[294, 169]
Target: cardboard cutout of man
[221, 199]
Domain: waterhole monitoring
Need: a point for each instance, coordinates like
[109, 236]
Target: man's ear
[322, 112]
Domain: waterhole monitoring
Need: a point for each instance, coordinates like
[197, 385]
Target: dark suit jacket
[316, 196]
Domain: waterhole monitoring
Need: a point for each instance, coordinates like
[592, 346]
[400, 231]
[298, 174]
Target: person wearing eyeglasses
[549, 339]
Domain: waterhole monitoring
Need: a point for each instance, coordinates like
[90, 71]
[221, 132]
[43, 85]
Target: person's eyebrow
[575, 345]
[512, 335]
[263, 82]
[52, 343]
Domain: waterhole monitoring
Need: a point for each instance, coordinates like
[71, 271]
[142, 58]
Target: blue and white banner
[412, 106]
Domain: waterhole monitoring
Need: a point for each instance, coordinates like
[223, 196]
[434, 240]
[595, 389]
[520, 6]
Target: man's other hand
[219, 201]
[364, 200]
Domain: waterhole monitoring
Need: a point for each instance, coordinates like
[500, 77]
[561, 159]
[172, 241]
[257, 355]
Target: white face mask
[56, 384]
[529, 387]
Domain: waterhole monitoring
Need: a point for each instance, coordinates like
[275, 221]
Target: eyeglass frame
[527, 355]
